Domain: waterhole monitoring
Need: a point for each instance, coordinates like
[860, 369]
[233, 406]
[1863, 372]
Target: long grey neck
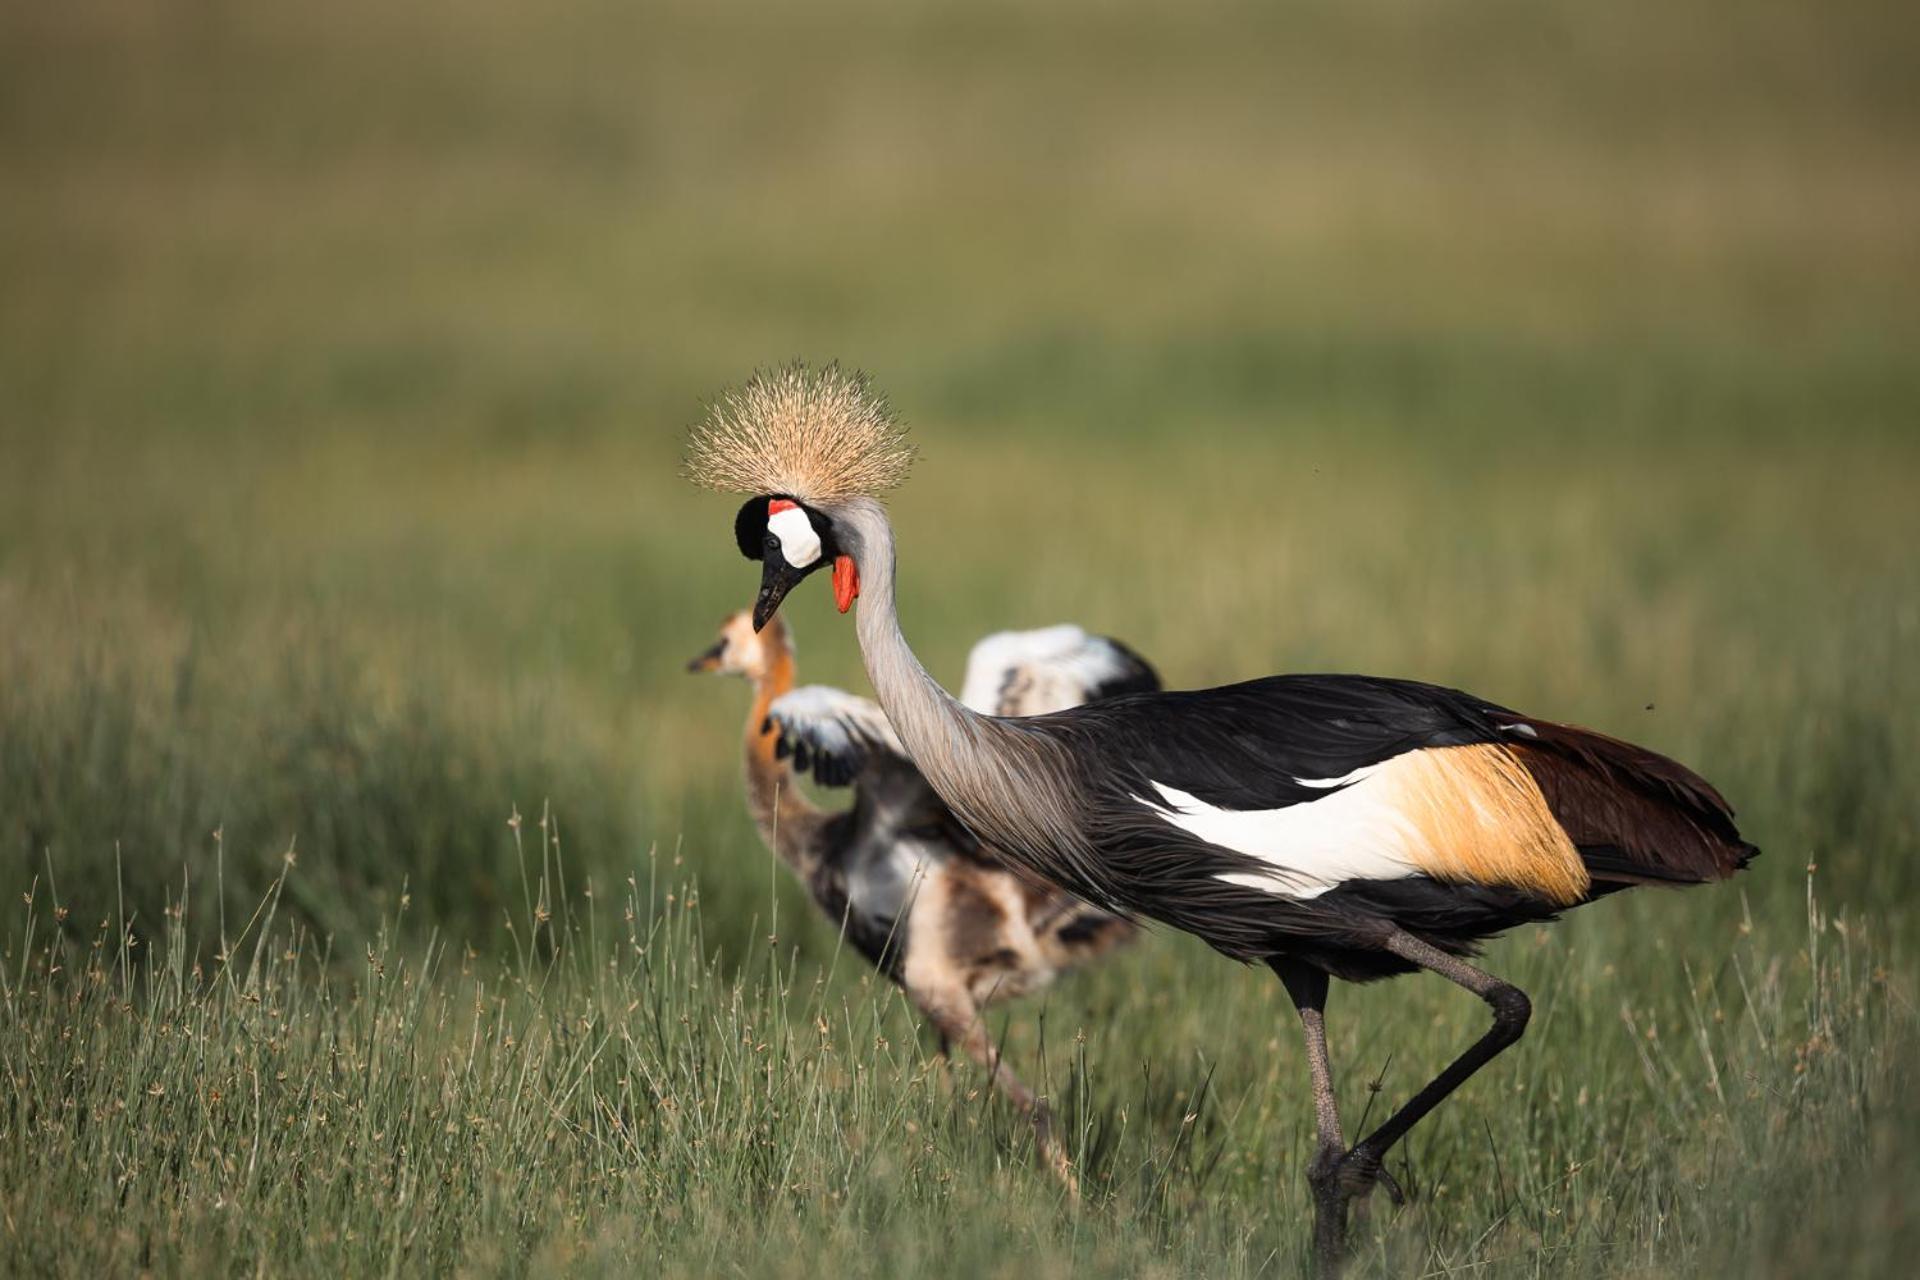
[1010, 784]
[930, 721]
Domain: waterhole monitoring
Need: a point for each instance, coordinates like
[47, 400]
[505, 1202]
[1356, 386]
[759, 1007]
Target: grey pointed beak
[708, 659]
[777, 577]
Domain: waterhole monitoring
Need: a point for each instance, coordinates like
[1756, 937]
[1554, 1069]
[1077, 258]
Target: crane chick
[912, 889]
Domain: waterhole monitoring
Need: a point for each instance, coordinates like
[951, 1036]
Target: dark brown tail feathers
[1636, 817]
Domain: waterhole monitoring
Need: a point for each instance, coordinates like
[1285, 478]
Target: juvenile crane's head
[801, 442]
[741, 650]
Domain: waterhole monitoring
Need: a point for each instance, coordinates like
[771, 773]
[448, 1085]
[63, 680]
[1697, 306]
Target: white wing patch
[832, 720]
[798, 542]
[1353, 834]
[1030, 673]
[1344, 780]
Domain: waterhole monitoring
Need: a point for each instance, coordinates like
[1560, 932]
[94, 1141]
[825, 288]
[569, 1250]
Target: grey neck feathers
[1012, 785]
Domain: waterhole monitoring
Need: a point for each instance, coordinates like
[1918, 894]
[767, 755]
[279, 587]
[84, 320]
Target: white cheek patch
[798, 542]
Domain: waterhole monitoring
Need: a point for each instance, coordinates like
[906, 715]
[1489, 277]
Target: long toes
[1394, 1193]
[1359, 1170]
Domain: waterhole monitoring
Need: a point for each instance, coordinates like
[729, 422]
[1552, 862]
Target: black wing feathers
[1249, 746]
[1136, 675]
[1634, 816]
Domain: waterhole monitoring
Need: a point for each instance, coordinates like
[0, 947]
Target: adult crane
[910, 887]
[1329, 826]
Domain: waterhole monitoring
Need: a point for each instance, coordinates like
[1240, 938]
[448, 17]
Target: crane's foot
[1339, 1180]
[1050, 1150]
[1360, 1170]
[1353, 1175]
[1330, 1200]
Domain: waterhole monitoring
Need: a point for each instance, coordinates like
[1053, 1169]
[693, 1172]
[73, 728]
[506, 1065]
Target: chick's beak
[709, 659]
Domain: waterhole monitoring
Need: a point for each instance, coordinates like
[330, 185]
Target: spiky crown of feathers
[818, 436]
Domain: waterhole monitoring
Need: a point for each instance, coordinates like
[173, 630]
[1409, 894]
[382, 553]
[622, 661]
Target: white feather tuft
[834, 722]
[1030, 673]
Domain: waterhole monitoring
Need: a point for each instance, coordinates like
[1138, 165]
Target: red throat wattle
[846, 582]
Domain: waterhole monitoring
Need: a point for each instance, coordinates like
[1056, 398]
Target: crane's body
[1301, 816]
[1331, 826]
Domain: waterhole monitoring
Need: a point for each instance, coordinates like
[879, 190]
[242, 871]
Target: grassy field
[1565, 353]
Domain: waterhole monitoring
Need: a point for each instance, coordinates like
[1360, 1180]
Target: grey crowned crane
[909, 886]
[1329, 826]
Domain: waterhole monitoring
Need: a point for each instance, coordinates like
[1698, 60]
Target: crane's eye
[793, 535]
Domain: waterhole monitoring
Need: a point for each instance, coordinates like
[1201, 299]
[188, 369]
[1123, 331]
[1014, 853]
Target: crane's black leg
[1307, 986]
[1361, 1166]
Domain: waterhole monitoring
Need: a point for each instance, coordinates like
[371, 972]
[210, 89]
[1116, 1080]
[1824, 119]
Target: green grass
[613, 1100]
[1564, 353]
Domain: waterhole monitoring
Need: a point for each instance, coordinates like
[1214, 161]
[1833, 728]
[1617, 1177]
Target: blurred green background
[1565, 352]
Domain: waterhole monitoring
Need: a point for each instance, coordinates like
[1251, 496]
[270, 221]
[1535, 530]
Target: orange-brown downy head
[742, 651]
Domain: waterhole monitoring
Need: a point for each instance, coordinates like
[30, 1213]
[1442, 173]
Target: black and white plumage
[1310, 815]
[1328, 825]
[911, 888]
[832, 734]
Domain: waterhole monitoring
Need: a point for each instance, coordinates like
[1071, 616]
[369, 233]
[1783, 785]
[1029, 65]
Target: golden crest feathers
[820, 436]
